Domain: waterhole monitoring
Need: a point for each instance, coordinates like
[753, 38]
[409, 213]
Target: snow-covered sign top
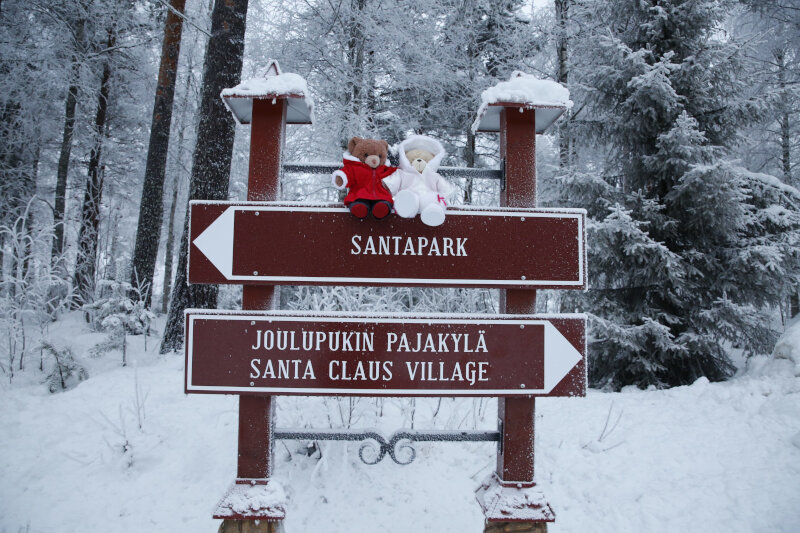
[273, 85]
[549, 98]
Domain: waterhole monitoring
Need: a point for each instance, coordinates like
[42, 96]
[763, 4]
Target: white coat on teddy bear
[416, 187]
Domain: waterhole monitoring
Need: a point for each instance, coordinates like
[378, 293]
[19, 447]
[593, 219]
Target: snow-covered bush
[66, 372]
[119, 307]
[31, 292]
[389, 299]
[788, 347]
[121, 312]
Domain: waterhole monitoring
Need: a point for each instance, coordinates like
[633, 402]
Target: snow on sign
[273, 352]
[273, 243]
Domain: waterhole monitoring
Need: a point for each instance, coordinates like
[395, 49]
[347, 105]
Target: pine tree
[88, 234]
[76, 20]
[686, 256]
[151, 210]
[213, 152]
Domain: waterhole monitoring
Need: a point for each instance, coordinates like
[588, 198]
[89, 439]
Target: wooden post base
[250, 526]
[515, 527]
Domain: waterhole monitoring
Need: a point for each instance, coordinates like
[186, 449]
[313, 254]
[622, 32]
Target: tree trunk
[60, 203]
[10, 158]
[786, 153]
[355, 55]
[28, 251]
[212, 154]
[113, 252]
[169, 252]
[17, 187]
[148, 231]
[86, 263]
[786, 162]
[178, 168]
[786, 139]
[562, 16]
[469, 157]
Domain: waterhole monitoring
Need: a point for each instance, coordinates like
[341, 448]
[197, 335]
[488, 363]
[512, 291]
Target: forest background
[682, 145]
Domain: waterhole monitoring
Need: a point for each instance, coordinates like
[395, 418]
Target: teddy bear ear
[385, 145]
[352, 144]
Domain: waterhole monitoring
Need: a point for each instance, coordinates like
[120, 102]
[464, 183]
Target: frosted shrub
[118, 310]
[116, 340]
[121, 312]
[389, 299]
[31, 293]
[66, 372]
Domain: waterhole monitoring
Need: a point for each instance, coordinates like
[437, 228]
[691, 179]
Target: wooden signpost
[261, 352]
[280, 243]
[391, 355]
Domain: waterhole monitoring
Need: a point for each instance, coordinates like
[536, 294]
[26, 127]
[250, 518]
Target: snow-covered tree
[689, 252]
[774, 28]
[151, 212]
[391, 68]
[213, 151]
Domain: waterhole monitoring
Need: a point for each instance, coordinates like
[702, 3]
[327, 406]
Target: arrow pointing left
[277, 243]
[216, 242]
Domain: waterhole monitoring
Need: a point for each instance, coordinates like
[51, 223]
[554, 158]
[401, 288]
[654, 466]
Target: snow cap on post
[272, 85]
[523, 91]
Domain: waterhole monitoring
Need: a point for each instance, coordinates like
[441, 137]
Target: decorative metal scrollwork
[380, 449]
[400, 446]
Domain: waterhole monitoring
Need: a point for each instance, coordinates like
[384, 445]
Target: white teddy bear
[416, 187]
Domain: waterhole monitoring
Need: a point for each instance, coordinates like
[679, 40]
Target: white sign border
[397, 318]
[578, 214]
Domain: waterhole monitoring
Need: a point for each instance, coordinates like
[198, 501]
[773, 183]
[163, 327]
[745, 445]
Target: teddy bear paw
[406, 204]
[433, 215]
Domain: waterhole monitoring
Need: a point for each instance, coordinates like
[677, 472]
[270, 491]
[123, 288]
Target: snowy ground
[709, 457]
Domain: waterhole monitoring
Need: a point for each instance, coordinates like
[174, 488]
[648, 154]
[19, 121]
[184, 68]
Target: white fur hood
[425, 143]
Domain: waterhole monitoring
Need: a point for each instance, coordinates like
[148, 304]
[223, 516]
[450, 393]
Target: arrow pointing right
[542, 354]
[560, 356]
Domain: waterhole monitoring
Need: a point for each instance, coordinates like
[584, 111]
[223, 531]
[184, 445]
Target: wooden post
[256, 413]
[256, 422]
[516, 416]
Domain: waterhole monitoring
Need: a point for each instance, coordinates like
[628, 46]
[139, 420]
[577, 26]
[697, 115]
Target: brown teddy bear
[362, 173]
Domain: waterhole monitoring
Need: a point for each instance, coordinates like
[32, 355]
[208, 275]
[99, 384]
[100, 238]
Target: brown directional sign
[273, 352]
[273, 243]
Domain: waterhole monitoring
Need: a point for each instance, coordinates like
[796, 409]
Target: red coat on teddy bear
[362, 173]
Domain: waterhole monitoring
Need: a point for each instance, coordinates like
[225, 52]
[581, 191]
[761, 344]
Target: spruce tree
[689, 252]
